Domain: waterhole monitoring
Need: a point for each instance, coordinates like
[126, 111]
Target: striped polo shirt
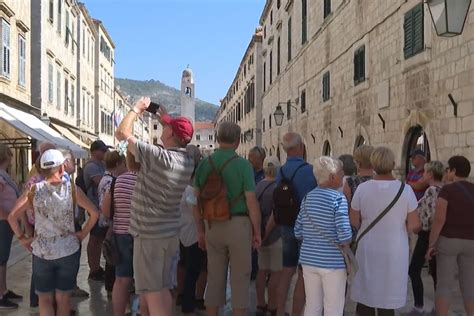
[123, 192]
[327, 210]
[162, 179]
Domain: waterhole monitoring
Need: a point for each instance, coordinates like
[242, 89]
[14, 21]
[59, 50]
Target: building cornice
[104, 30]
[266, 9]
[22, 26]
[88, 19]
[6, 9]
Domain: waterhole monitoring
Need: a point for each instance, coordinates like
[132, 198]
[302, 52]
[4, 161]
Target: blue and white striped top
[328, 210]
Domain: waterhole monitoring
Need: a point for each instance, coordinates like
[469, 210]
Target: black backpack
[285, 203]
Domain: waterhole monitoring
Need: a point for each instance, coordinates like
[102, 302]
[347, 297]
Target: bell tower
[188, 100]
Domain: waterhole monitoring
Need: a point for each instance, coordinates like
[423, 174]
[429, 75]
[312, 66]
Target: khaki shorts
[229, 246]
[455, 256]
[271, 257]
[152, 263]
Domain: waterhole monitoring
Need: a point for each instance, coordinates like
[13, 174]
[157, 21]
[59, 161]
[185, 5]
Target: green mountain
[166, 95]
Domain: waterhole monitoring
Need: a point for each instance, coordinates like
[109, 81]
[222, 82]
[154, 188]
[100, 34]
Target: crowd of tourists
[173, 226]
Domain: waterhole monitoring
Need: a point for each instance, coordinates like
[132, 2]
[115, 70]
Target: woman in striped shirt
[323, 225]
[122, 202]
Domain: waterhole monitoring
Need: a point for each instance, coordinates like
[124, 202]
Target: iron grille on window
[326, 86]
[359, 65]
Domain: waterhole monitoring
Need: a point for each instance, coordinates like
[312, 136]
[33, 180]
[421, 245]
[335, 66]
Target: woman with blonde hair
[56, 244]
[384, 212]
[365, 172]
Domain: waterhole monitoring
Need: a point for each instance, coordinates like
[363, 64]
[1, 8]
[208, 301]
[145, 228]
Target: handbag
[349, 259]
[379, 217]
[110, 246]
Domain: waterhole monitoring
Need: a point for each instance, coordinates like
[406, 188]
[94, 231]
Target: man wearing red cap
[155, 218]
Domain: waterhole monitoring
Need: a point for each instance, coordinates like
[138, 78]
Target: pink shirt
[123, 191]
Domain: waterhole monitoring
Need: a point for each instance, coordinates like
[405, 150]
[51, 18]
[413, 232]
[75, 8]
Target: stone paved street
[98, 305]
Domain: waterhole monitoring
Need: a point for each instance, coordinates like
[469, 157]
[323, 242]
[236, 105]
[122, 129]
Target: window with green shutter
[413, 27]
[359, 65]
[326, 86]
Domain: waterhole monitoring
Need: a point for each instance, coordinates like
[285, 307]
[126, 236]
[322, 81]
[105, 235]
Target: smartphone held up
[153, 108]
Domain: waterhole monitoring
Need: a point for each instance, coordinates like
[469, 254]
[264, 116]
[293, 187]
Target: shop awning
[32, 126]
[69, 135]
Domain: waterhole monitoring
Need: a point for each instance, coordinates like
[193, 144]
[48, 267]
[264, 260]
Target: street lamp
[278, 115]
[248, 135]
[449, 16]
[45, 119]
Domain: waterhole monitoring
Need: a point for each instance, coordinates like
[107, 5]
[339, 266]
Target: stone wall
[406, 93]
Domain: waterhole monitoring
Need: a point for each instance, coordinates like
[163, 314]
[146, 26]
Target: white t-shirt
[188, 231]
[382, 253]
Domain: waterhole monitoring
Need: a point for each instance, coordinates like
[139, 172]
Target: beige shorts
[271, 257]
[152, 263]
[229, 246]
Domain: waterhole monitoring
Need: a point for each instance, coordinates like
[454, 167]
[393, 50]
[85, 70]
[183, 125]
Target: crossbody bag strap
[466, 192]
[296, 171]
[316, 226]
[264, 190]
[381, 215]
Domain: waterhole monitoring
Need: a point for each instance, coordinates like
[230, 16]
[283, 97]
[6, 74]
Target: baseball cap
[51, 158]
[99, 145]
[270, 162]
[417, 152]
[181, 126]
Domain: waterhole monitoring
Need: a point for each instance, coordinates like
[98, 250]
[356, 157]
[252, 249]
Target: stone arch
[327, 149]
[416, 125]
[363, 137]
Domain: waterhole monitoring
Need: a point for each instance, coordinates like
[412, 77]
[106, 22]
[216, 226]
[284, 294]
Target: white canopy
[32, 126]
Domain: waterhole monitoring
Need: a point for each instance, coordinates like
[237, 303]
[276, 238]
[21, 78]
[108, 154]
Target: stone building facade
[15, 87]
[104, 89]
[54, 59]
[242, 103]
[374, 72]
[87, 39]
[204, 137]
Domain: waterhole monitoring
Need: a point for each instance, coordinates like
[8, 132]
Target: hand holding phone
[153, 108]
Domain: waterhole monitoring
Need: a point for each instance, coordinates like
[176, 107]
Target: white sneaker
[416, 311]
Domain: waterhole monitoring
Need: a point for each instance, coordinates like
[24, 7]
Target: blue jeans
[56, 275]
[125, 248]
[291, 247]
[6, 237]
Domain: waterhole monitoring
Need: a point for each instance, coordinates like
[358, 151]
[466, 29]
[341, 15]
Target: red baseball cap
[182, 127]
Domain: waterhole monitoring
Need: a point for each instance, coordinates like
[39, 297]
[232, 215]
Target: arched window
[360, 140]
[278, 153]
[327, 151]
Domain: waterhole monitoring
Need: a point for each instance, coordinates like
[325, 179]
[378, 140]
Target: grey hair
[228, 133]
[325, 166]
[291, 140]
[259, 151]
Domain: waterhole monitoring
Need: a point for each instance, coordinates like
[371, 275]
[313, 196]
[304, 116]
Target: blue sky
[157, 39]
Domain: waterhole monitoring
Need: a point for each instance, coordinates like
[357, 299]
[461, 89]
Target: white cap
[51, 158]
[271, 161]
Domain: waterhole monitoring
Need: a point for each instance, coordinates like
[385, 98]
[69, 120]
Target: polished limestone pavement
[98, 304]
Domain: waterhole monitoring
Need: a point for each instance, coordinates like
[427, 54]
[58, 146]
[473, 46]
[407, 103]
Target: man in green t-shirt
[231, 241]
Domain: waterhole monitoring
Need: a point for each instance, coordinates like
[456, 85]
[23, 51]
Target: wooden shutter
[408, 31]
[418, 36]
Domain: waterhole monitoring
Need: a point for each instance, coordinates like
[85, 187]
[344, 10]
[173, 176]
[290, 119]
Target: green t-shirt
[237, 175]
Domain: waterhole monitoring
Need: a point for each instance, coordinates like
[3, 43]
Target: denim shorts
[291, 247]
[124, 244]
[55, 275]
[6, 236]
